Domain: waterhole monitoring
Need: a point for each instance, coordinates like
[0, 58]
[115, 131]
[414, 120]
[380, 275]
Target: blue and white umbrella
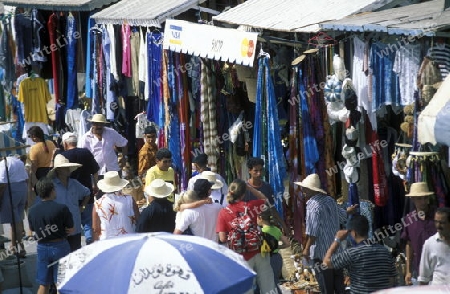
[154, 263]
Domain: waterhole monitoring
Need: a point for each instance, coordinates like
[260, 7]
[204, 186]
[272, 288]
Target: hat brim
[112, 188]
[217, 185]
[97, 121]
[420, 194]
[310, 188]
[160, 194]
[71, 165]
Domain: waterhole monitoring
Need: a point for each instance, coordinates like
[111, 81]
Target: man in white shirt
[201, 220]
[435, 261]
[102, 141]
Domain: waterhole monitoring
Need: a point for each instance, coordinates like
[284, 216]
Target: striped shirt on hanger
[323, 219]
[371, 267]
[441, 54]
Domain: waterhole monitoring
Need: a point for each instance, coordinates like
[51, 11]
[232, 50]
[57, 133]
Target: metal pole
[13, 225]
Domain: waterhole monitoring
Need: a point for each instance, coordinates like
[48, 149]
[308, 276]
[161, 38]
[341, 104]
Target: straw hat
[419, 189]
[98, 118]
[159, 188]
[212, 178]
[61, 161]
[311, 182]
[111, 182]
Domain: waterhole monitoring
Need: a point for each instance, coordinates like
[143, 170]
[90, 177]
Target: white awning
[294, 15]
[144, 12]
[210, 42]
[60, 5]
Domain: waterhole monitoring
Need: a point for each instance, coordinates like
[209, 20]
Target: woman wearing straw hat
[159, 215]
[114, 213]
[71, 193]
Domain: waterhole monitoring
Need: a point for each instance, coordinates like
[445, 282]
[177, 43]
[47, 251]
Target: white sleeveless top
[116, 215]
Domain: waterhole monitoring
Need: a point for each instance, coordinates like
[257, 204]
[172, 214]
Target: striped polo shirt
[440, 52]
[370, 267]
[323, 219]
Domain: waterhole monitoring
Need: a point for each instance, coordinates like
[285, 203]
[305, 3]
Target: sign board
[210, 42]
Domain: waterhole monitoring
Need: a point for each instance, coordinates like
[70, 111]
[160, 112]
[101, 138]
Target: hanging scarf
[171, 107]
[258, 125]
[380, 187]
[275, 159]
[183, 112]
[208, 114]
[309, 141]
[154, 78]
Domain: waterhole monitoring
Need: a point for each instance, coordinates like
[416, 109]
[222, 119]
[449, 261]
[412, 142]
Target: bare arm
[258, 194]
[408, 255]
[222, 237]
[310, 240]
[96, 228]
[136, 211]
[177, 232]
[285, 243]
[195, 204]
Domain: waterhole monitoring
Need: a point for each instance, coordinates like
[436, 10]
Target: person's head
[62, 167]
[255, 167]
[358, 227]
[186, 197]
[200, 162]
[420, 195]
[45, 189]
[158, 188]
[150, 134]
[311, 186]
[442, 222]
[98, 122]
[203, 188]
[111, 182]
[36, 134]
[163, 159]
[236, 191]
[265, 217]
[69, 140]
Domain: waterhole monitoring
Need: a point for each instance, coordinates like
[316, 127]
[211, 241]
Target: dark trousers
[74, 242]
[331, 281]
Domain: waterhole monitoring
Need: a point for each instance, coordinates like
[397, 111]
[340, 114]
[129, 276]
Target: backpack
[244, 235]
[270, 241]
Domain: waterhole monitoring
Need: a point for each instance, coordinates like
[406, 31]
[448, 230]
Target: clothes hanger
[262, 53]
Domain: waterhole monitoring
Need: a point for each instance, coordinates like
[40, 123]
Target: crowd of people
[80, 192]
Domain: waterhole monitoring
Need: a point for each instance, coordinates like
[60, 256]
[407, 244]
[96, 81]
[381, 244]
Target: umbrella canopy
[154, 262]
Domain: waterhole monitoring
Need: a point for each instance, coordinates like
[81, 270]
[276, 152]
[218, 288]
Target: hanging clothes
[6, 57]
[34, 94]
[71, 49]
[110, 94]
[126, 50]
[406, 66]
[154, 78]
[208, 114]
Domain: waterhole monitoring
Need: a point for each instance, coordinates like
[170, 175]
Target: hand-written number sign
[160, 271]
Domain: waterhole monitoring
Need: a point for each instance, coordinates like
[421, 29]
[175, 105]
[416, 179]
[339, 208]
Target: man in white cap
[103, 141]
[71, 193]
[86, 175]
[159, 215]
[420, 227]
[323, 219]
[219, 187]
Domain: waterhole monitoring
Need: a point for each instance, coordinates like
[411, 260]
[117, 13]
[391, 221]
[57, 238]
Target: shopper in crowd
[434, 266]
[323, 219]
[256, 170]
[200, 163]
[41, 153]
[147, 154]
[52, 222]
[267, 224]
[370, 266]
[226, 223]
[220, 188]
[162, 170]
[104, 143]
[114, 213]
[420, 228]
[202, 219]
[14, 182]
[86, 174]
[71, 193]
[159, 215]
